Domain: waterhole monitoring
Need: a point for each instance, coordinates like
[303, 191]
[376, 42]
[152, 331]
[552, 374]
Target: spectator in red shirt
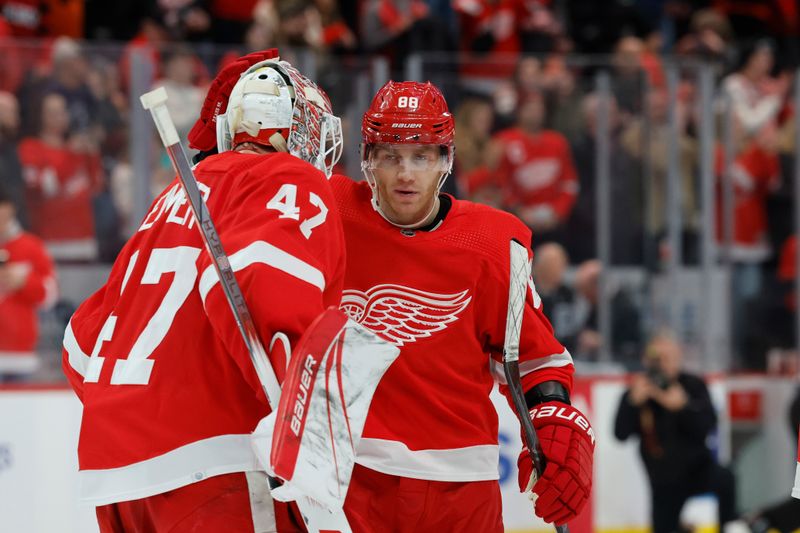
[61, 176]
[755, 173]
[533, 167]
[27, 284]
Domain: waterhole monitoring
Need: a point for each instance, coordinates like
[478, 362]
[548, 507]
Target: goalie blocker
[310, 440]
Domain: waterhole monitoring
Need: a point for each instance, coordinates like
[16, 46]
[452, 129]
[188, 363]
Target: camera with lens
[655, 373]
[657, 377]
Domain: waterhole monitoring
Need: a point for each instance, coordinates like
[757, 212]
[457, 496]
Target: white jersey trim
[78, 360]
[796, 489]
[526, 367]
[182, 466]
[265, 253]
[472, 463]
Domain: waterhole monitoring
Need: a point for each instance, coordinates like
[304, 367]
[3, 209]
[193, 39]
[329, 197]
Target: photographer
[671, 412]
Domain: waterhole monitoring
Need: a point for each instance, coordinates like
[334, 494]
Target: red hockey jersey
[19, 322]
[537, 170]
[441, 297]
[59, 185]
[169, 394]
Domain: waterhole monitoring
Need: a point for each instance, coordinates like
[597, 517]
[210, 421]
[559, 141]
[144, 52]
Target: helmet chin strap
[414, 225]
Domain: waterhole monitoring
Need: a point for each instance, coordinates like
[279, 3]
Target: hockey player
[431, 274]
[169, 394]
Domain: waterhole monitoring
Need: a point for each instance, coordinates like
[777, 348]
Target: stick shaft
[232, 290]
[517, 290]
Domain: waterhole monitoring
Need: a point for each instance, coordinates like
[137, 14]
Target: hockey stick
[155, 102]
[518, 285]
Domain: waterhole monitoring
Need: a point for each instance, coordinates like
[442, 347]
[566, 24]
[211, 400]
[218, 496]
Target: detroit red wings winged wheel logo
[401, 314]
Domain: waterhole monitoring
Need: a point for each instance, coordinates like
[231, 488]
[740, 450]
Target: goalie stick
[517, 287]
[316, 517]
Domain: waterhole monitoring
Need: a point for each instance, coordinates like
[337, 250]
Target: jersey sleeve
[82, 330]
[542, 357]
[283, 236]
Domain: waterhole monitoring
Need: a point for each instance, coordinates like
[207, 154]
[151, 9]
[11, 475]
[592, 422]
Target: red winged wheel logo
[402, 314]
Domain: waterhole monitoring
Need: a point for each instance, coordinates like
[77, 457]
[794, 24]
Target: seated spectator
[399, 28]
[180, 81]
[337, 37]
[709, 36]
[757, 98]
[534, 169]
[474, 118]
[509, 94]
[625, 344]
[10, 168]
[299, 26]
[494, 33]
[563, 97]
[629, 76]
[27, 284]
[625, 193]
[647, 137]
[62, 176]
[550, 263]
[670, 411]
[70, 72]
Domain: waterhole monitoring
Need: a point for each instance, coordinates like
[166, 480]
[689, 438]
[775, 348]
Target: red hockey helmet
[408, 112]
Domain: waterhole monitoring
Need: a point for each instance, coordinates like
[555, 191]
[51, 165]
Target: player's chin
[407, 216]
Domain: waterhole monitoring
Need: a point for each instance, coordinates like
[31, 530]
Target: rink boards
[38, 439]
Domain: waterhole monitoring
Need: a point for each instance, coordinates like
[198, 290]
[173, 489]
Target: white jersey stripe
[78, 360]
[267, 254]
[526, 367]
[796, 489]
[177, 468]
[473, 463]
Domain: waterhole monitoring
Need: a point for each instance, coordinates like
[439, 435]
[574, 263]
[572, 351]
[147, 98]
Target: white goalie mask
[273, 104]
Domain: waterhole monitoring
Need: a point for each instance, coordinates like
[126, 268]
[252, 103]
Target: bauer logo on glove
[567, 441]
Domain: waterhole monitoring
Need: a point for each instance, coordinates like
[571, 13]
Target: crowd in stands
[520, 78]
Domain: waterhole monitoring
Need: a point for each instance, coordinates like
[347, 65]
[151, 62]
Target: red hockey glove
[203, 135]
[567, 443]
